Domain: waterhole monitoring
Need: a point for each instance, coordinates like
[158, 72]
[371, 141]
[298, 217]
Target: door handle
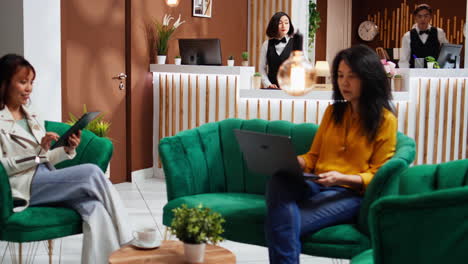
[121, 76]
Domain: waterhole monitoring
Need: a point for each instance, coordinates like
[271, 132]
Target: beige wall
[228, 23]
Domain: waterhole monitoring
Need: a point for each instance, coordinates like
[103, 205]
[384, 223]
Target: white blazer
[21, 152]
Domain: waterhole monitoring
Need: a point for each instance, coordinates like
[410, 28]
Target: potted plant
[196, 226]
[177, 60]
[257, 81]
[230, 61]
[245, 58]
[432, 63]
[397, 83]
[164, 32]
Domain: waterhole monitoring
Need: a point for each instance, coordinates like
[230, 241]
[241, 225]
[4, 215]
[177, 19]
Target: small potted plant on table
[177, 60]
[196, 226]
[257, 81]
[432, 63]
[230, 61]
[245, 58]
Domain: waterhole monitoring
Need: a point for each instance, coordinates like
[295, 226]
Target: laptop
[269, 154]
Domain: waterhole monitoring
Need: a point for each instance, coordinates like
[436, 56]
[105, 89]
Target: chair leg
[165, 233]
[20, 253]
[50, 242]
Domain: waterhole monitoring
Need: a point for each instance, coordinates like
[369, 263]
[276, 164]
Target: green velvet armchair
[426, 222]
[46, 223]
[204, 165]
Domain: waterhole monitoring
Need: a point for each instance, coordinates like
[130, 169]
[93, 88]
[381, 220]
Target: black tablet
[79, 125]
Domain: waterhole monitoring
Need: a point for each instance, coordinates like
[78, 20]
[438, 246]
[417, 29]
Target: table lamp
[322, 69]
[296, 76]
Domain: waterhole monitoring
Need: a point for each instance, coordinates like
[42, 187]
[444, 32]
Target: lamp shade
[322, 68]
[172, 3]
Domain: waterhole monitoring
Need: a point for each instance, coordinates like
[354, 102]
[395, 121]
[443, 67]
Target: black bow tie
[277, 41]
[424, 32]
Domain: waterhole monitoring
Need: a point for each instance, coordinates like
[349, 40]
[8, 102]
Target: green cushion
[245, 216]
[244, 213]
[41, 223]
[340, 241]
[365, 257]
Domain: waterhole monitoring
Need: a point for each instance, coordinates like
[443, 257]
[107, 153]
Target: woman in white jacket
[26, 156]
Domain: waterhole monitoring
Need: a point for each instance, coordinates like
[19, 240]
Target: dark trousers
[296, 208]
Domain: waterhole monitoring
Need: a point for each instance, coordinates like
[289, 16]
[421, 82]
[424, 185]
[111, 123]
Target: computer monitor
[449, 56]
[200, 51]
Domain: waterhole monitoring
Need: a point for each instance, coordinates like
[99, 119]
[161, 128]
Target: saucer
[143, 245]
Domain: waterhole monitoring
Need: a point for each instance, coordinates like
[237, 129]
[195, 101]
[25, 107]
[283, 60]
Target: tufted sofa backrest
[207, 159]
[427, 178]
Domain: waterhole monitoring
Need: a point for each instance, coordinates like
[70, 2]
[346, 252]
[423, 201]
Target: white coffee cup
[145, 235]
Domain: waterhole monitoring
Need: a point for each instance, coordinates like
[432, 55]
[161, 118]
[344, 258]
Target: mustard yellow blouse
[345, 149]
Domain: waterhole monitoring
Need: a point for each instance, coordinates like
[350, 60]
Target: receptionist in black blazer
[275, 50]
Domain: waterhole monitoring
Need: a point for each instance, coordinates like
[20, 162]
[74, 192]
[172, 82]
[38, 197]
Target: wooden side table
[170, 252]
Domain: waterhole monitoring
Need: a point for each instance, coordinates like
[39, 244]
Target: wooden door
[93, 52]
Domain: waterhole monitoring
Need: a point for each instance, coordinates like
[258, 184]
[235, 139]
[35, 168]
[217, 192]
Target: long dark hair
[272, 29]
[10, 64]
[375, 88]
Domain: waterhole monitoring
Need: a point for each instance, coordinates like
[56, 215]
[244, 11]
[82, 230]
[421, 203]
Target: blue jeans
[296, 208]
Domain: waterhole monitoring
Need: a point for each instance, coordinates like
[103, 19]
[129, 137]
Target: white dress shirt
[263, 59]
[405, 53]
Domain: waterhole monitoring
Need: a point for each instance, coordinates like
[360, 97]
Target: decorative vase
[257, 82]
[398, 84]
[230, 62]
[161, 59]
[194, 253]
[177, 61]
[245, 63]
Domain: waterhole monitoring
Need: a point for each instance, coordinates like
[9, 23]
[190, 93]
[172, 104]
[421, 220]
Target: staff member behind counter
[423, 40]
[277, 49]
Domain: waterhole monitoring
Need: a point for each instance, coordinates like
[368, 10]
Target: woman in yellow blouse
[356, 137]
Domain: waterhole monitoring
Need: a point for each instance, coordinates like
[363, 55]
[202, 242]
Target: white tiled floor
[144, 200]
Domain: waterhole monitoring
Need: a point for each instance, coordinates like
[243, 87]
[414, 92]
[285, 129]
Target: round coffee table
[170, 252]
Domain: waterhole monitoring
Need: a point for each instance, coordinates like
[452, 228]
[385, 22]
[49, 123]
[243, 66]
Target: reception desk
[432, 108]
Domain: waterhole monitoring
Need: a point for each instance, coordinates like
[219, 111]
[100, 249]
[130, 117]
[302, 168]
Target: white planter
[430, 65]
[257, 82]
[245, 63]
[178, 61]
[194, 253]
[230, 62]
[161, 59]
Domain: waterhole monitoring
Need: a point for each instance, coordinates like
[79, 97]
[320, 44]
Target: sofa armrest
[421, 228]
[92, 149]
[385, 182]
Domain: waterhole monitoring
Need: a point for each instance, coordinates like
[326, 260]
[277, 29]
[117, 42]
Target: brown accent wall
[361, 8]
[228, 23]
[321, 34]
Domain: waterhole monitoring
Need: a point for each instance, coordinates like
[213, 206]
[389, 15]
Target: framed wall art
[202, 8]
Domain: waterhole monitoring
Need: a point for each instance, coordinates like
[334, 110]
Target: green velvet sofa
[427, 222]
[45, 223]
[204, 165]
